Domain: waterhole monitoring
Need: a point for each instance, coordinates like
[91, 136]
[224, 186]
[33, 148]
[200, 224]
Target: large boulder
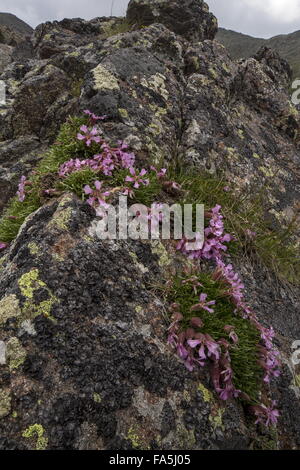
[189, 18]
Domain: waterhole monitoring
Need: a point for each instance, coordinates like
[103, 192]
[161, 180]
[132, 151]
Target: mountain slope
[13, 22]
[241, 45]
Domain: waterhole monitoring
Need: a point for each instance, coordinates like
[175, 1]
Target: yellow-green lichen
[216, 418]
[5, 403]
[157, 83]
[138, 309]
[136, 441]
[186, 438]
[123, 113]
[297, 380]
[61, 219]
[104, 80]
[213, 73]
[30, 282]
[9, 308]
[97, 398]
[158, 249]
[36, 431]
[255, 155]
[143, 268]
[15, 353]
[206, 394]
[33, 248]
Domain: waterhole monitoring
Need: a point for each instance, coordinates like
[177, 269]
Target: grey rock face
[189, 18]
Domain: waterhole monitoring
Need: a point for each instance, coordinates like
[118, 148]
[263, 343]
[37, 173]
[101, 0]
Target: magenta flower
[137, 178]
[203, 304]
[3, 246]
[266, 415]
[232, 334]
[93, 116]
[89, 135]
[128, 192]
[97, 197]
[21, 188]
[159, 173]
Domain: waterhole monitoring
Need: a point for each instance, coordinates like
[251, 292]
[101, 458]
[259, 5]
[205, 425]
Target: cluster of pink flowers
[97, 197]
[93, 117]
[266, 415]
[105, 162]
[89, 135]
[196, 348]
[215, 238]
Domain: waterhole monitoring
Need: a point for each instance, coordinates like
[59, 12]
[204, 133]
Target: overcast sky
[261, 18]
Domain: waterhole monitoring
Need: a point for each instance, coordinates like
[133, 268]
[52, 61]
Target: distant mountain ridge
[241, 45]
[13, 22]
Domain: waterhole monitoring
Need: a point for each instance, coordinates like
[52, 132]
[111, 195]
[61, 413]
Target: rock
[5, 56]
[188, 18]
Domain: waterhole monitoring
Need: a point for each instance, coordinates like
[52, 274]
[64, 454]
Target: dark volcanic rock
[189, 18]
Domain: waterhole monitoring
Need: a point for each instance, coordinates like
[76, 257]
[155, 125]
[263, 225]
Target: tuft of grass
[273, 247]
[45, 176]
[248, 374]
[122, 26]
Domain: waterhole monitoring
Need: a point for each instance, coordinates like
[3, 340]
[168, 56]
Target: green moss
[15, 353]
[45, 177]
[5, 403]
[9, 308]
[36, 431]
[244, 355]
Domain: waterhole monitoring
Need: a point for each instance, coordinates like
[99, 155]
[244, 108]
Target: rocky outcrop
[189, 19]
[13, 31]
[84, 359]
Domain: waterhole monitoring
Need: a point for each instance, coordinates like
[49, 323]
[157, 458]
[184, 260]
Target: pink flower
[232, 334]
[21, 188]
[203, 304]
[93, 116]
[3, 246]
[266, 415]
[137, 178]
[97, 198]
[128, 192]
[89, 135]
[159, 173]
